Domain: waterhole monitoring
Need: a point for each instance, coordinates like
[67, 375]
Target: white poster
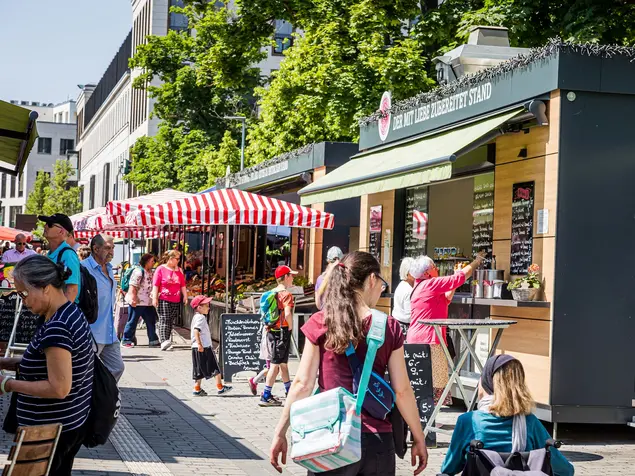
[386, 248]
[543, 221]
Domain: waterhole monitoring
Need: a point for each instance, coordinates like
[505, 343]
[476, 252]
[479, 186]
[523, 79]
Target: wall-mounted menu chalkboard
[415, 235]
[27, 323]
[419, 366]
[240, 343]
[483, 216]
[522, 227]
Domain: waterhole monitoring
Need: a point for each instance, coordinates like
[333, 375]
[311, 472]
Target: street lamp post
[242, 142]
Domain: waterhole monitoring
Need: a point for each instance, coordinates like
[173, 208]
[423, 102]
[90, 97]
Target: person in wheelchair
[503, 422]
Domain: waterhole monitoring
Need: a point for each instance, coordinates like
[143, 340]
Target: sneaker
[167, 345]
[127, 345]
[253, 386]
[154, 344]
[225, 390]
[270, 402]
[200, 393]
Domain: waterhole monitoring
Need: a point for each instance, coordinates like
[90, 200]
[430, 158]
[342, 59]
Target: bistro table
[462, 325]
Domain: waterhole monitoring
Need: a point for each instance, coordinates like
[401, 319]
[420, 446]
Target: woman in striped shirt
[56, 371]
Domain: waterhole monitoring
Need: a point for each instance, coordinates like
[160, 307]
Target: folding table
[462, 325]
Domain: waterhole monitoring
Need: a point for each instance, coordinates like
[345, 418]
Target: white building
[112, 115]
[57, 130]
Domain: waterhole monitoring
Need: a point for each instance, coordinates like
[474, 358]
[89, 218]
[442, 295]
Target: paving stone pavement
[177, 433]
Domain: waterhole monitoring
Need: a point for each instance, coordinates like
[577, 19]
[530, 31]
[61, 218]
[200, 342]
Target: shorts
[278, 343]
[204, 364]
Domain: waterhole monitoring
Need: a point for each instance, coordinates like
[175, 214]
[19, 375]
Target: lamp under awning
[415, 163]
[17, 136]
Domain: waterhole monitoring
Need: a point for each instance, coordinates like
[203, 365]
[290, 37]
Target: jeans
[378, 458]
[149, 316]
[110, 355]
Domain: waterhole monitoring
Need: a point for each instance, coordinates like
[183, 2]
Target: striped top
[69, 330]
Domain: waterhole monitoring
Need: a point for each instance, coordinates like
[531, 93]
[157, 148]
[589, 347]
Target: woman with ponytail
[355, 285]
[55, 374]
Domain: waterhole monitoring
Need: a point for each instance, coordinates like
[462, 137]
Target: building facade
[56, 126]
[111, 115]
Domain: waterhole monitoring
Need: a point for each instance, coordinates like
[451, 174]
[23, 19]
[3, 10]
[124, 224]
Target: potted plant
[526, 287]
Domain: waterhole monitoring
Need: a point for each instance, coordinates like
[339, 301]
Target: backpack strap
[374, 340]
[61, 253]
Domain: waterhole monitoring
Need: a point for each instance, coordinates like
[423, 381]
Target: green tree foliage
[59, 196]
[217, 161]
[37, 198]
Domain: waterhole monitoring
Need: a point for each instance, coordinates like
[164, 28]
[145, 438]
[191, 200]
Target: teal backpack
[269, 312]
[125, 279]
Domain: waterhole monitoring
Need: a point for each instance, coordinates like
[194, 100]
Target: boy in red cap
[279, 337]
[204, 361]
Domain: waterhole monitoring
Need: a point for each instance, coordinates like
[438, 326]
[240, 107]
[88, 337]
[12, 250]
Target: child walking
[204, 361]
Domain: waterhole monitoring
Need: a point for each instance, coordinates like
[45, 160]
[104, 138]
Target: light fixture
[523, 153]
[539, 110]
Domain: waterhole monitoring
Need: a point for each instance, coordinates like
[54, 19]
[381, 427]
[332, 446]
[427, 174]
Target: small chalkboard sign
[27, 322]
[240, 336]
[419, 366]
[522, 228]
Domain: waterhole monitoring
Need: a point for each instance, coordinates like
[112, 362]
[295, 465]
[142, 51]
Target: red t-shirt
[284, 299]
[334, 370]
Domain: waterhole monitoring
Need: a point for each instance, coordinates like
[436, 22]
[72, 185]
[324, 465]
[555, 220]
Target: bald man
[19, 253]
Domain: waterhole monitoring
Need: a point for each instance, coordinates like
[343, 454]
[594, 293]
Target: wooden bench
[33, 450]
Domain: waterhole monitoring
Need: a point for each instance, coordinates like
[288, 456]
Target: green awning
[17, 136]
[415, 163]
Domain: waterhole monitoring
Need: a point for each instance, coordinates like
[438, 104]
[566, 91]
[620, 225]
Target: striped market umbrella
[230, 207]
[118, 209]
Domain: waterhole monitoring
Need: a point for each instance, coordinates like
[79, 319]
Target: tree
[37, 198]
[59, 196]
[217, 161]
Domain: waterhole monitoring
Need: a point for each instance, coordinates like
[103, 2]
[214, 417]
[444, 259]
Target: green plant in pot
[526, 287]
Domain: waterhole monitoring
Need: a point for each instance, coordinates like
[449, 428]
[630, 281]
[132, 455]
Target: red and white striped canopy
[230, 207]
[118, 209]
[90, 219]
[134, 233]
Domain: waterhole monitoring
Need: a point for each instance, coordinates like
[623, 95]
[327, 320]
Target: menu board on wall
[416, 221]
[522, 227]
[374, 246]
[483, 216]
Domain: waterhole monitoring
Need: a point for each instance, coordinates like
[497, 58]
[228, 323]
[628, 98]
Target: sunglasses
[384, 284]
[23, 294]
[20, 244]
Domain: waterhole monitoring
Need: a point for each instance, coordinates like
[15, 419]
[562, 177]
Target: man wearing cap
[333, 256]
[57, 229]
[19, 253]
[279, 337]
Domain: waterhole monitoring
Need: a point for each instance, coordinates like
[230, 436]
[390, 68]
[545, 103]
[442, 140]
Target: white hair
[404, 269]
[421, 266]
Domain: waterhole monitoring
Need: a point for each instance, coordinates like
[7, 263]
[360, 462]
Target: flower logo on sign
[384, 121]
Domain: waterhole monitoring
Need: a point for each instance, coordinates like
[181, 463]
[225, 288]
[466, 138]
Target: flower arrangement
[530, 281]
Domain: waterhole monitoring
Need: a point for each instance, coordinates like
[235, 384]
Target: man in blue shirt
[57, 229]
[102, 249]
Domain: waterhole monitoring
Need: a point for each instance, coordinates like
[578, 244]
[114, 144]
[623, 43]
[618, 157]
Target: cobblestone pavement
[167, 431]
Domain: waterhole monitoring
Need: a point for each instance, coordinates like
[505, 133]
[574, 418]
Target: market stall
[531, 161]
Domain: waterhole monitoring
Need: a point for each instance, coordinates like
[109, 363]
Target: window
[21, 180]
[13, 180]
[91, 193]
[282, 37]
[81, 195]
[13, 215]
[106, 187]
[3, 187]
[66, 145]
[2, 216]
[44, 145]
[177, 21]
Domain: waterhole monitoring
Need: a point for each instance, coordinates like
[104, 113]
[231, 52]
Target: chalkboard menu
[483, 216]
[419, 366]
[374, 246]
[522, 227]
[416, 221]
[240, 343]
[27, 323]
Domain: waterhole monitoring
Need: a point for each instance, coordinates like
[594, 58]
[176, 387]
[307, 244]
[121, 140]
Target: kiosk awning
[17, 136]
[415, 163]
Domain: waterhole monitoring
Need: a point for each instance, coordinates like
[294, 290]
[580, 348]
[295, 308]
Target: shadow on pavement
[581, 456]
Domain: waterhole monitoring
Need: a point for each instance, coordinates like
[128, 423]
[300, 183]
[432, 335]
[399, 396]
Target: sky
[48, 47]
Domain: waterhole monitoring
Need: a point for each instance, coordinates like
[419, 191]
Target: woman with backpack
[55, 374]
[168, 288]
[354, 289]
[139, 300]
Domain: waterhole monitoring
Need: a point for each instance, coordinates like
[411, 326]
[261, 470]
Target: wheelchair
[482, 462]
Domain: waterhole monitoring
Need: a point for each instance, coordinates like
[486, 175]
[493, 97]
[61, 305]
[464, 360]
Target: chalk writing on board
[483, 216]
[522, 227]
[419, 366]
[240, 343]
[27, 322]
[416, 210]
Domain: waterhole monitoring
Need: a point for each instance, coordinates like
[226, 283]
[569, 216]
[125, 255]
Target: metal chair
[33, 450]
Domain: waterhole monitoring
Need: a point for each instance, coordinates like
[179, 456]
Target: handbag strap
[374, 340]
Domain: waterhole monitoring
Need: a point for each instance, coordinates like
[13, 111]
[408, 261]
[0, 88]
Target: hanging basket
[525, 294]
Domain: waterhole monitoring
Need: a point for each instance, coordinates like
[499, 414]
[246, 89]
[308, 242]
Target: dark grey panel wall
[593, 352]
[346, 216]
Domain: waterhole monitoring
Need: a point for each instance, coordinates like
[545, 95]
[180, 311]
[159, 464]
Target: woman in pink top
[430, 299]
[167, 290]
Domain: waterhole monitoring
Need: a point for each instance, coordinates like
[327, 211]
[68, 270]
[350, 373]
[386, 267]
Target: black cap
[58, 219]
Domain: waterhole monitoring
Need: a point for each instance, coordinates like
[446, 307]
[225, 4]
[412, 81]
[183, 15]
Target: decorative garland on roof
[233, 179]
[553, 46]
